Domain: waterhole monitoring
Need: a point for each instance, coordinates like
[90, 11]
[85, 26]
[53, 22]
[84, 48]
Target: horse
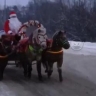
[35, 44]
[55, 53]
[8, 42]
[6, 52]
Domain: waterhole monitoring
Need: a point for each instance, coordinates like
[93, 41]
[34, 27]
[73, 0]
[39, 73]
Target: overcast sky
[14, 2]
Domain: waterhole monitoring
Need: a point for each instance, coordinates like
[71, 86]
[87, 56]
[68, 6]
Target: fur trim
[12, 15]
[9, 32]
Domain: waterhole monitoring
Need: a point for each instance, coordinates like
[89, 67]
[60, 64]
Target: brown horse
[5, 49]
[3, 60]
[55, 53]
[3, 53]
[8, 53]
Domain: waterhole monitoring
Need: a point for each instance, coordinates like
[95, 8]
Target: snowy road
[79, 74]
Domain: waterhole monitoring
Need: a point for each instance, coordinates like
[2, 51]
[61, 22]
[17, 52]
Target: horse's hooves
[16, 65]
[46, 71]
[61, 80]
[49, 75]
[40, 79]
[29, 76]
[1, 79]
[25, 75]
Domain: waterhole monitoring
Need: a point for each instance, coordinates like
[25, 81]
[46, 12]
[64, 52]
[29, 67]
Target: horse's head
[60, 40]
[40, 37]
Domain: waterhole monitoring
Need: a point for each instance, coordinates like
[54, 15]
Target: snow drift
[81, 48]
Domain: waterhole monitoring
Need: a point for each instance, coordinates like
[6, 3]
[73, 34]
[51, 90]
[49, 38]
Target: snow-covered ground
[78, 70]
[82, 48]
[84, 58]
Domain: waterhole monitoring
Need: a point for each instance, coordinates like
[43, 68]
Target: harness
[34, 50]
[55, 52]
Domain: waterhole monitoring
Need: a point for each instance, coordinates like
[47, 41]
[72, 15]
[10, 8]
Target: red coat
[6, 26]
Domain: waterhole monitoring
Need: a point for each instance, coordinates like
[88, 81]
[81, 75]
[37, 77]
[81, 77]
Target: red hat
[12, 13]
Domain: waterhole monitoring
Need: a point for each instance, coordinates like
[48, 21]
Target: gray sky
[14, 2]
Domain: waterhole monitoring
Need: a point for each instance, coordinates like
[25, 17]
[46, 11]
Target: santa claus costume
[12, 25]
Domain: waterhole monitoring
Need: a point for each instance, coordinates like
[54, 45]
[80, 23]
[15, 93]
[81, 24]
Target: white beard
[14, 24]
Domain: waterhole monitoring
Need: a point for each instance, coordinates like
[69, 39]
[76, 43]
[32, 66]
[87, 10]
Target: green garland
[35, 51]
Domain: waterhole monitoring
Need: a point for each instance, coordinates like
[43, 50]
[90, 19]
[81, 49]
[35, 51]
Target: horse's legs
[1, 74]
[29, 68]
[25, 68]
[16, 63]
[2, 68]
[44, 61]
[46, 66]
[50, 69]
[22, 59]
[39, 70]
[59, 65]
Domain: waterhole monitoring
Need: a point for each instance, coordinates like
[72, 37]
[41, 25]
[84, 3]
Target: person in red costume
[12, 25]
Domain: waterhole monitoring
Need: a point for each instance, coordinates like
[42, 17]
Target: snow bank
[81, 48]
